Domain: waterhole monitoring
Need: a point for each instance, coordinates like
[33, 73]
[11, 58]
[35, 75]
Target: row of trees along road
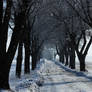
[18, 12]
[33, 23]
[83, 10]
[76, 17]
[20, 17]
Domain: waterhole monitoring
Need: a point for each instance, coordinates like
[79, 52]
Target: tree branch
[77, 12]
[11, 27]
[81, 51]
[79, 40]
[88, 46]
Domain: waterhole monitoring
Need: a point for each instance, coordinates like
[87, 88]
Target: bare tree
[4, 22]
[82, 9]
[18, 31]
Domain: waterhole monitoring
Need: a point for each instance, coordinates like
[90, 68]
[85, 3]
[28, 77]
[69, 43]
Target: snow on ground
[58, 78]
[27, 83]
[52, 76]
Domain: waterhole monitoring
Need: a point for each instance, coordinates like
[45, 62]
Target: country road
[57, 78]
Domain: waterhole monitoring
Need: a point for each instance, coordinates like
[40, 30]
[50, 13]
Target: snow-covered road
[54, 77]
[57, 78]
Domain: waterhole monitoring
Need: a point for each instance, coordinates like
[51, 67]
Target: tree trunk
[4, 64]
[1, 15]
[6, 60]
[82, 62]
[66, 57]
[66, 63]
[5, 24]
[72, 58]
[1, 11]
[27, 58]
[19, 60]
[27, 52]
[34, 62]
[62, 57]
[4, 75]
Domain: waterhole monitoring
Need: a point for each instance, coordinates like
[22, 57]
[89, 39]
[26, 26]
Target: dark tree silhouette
[7, 58]
[19, 60]
[82, 9]
[4, 21]
[25, 39]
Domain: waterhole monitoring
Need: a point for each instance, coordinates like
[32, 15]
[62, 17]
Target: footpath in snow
[52, 76]
[58, 78]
